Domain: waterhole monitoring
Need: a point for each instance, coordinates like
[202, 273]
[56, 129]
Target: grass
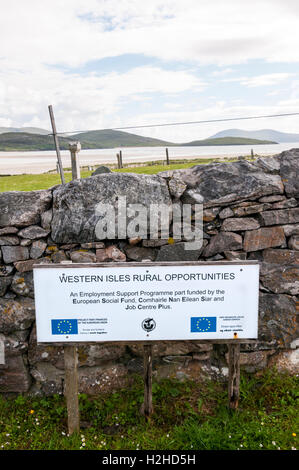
[187, 415]
[30, 182]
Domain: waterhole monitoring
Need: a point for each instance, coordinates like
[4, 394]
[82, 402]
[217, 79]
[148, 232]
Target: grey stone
[83, 256]
[9, 240]
[288, 203]
[24, 266]
[265, 237]
[14, 253]
[233, 255]
[15, 376]
[37, 249]
[22, 208]
[224, 241]
[225, 213]
[6, 269]
[92, 245]
[278, 325]
[222, 183]
[210, 214]
[22, 284]
[290, 230]
[252, 209]
[81, 197]
[59, 256]
[277, 256]
[152, 243]
[177, 252]
[33, 232]
[115, 254]
[8, 230]
[280, 279]
[25, 242]
[5, 282]
[176, 187]
[16, 314]
[138, 253]
[102, 169]
[294, 243]
[269, 164]
[46, 218]
[279, 217]
[289, 172]
[191, 196]
[272, 198]
[240, 224]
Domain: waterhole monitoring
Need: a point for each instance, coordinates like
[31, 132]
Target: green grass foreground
[187, 415]
[47, 180]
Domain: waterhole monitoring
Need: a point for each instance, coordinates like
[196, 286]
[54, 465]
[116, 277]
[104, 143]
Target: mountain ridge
[261, 134]
[21, 141]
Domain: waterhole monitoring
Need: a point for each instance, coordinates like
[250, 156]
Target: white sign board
[143, 302]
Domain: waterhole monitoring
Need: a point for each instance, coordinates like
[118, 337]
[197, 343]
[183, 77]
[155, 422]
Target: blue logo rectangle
[64, 327]
[203, 324]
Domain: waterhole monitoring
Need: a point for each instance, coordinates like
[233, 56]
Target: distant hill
[111, 139]
[25, 141]
[263, 134]
[19, 141]
[228, 141]
[28, 130]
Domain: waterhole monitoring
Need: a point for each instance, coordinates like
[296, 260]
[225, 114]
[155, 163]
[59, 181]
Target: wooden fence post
[70, 351]
[167, 157]
[75, 148]
[71, 388]
[56, 142]
[121, 158]
[233, 375]
[147, 407]
[118, 161]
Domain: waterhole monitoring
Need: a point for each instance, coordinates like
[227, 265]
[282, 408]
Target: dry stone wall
[251, 211]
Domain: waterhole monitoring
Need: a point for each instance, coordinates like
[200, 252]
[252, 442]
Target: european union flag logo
[64, 327]
[203, 324]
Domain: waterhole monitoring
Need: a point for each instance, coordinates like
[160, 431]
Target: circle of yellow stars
[205, 320]
[64, 327]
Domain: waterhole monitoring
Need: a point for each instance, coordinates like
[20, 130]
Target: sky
[115, 63]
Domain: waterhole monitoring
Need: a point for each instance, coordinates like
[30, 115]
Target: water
[43, 161]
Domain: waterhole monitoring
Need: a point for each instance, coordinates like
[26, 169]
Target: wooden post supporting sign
[147, 407]
[233, 375]
[71, 388]
[70, 351]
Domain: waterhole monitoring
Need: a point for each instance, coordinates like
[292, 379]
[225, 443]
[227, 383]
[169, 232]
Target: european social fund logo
[64, 327]
[203, 324]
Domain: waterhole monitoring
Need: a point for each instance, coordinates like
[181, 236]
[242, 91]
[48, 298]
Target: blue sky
[106, 63]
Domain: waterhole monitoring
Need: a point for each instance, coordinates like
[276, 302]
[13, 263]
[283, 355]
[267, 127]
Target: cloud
[45, 46]
[266, 80]
[93, 98]
[74, 32]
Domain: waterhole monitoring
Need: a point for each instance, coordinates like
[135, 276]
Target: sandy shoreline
[14, 163]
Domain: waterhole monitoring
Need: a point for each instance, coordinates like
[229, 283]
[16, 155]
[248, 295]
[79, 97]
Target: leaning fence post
[75, 148]
[56, 142]
[233, 375]
[147, 407]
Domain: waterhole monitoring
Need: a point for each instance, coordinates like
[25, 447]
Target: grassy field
[47, 180]
[187, 415]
